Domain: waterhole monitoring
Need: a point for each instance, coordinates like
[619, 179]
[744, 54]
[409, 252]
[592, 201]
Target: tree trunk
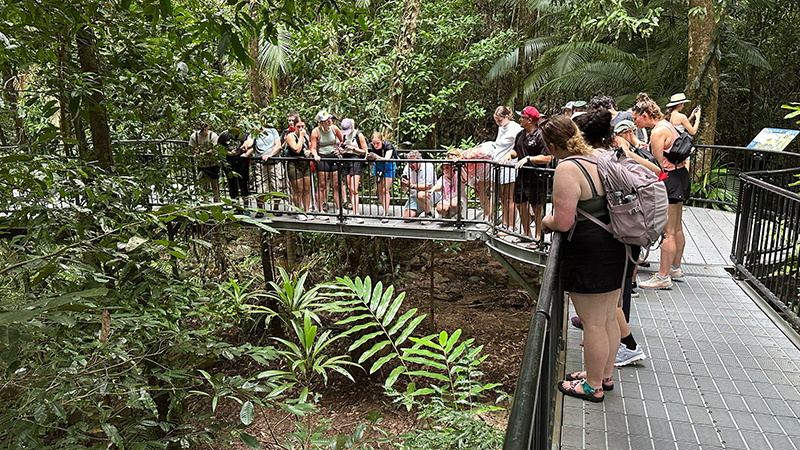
[65, 120]
[98, 119]
[406, 36]
[703, 72]
[255, 77]
[10, 93]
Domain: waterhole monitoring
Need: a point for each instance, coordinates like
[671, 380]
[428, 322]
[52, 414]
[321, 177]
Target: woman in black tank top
[592, 260]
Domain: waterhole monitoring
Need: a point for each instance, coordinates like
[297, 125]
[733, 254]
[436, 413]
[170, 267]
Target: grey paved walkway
[719, 373]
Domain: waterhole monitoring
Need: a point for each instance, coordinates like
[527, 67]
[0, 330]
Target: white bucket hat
[677, 99]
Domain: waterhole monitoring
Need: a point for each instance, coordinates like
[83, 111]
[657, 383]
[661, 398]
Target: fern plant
[457, 365]
[450, 364]
[372, 313]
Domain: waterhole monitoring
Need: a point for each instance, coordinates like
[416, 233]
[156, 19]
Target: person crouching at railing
[592, 260]
[382, 152]
[416, 179]
[451, 185]
[324, 141]
[353, 151]
[299, 170]
[479, 175]
[270, 174]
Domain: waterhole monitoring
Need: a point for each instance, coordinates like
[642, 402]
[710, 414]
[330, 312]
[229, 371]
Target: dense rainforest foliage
[119, 323]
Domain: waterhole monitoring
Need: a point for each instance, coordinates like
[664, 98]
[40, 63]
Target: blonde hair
[646, 105]
[453, 153]
[562, 132]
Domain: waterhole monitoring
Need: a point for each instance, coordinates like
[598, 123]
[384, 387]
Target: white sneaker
[357, 219]
[656, 282]
[676, 274]
[627, 356]
[302, 217]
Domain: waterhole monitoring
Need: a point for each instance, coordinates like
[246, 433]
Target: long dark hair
[596, 127]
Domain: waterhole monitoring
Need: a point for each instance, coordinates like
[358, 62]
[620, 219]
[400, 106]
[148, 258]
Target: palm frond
[746, 51]
[503, 65]
[276, 58]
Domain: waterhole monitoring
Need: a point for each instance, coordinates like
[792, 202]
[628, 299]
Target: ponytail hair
[668, 114]
[562, 132]
[646, 105]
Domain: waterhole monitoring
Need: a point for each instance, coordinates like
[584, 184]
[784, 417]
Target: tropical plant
[294, 299]
[306, 361]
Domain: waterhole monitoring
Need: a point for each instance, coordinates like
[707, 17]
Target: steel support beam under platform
[415, 230]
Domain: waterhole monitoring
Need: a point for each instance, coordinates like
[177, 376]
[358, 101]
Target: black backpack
[681, 148]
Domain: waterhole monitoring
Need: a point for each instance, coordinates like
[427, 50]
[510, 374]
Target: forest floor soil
[473, 292]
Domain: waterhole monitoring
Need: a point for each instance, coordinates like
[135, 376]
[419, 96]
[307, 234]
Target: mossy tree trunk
[406, 36]
[703, 71]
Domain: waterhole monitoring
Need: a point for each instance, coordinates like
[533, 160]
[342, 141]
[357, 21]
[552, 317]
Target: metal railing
[716, 183]
[766, 244]
[530, 425]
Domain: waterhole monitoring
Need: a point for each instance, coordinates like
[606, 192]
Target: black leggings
[240, 181]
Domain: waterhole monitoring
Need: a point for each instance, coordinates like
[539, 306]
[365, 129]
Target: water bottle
[618, 195]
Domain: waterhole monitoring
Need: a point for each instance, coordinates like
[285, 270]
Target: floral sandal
[608, 383]
[587, 394]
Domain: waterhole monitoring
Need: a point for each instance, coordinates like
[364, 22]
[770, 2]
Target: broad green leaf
[363, 339]
[250, 441]
[425, 362]
[410, 329]
[393, 376]
[424, 373]
[392, 311]
[113, 434]
[401, 321]
[246, 413]
[448, 347]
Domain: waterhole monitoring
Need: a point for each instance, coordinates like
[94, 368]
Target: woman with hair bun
[592, 261]
[646, 113]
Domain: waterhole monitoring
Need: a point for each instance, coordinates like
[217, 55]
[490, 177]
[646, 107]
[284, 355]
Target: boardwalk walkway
[719, 373]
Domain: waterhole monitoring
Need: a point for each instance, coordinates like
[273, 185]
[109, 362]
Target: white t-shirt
[425, 175]
[198, 140]
[505, 139]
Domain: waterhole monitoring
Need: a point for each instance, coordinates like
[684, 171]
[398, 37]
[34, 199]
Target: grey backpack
[637, 199]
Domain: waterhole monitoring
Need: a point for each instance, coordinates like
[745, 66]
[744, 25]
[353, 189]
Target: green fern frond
[374, 321]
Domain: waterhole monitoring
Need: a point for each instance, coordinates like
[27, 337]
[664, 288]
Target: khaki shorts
[272, 178]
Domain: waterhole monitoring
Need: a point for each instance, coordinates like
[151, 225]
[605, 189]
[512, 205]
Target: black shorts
[210, 172]
[352, 165]
[529, 187]
[678, 185]
[328, 166]
[592, 262]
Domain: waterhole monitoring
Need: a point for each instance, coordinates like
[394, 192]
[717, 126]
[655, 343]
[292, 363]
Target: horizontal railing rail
[766, 243]
[531, 422]
[715, 171]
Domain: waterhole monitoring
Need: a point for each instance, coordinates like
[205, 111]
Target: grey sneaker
[676, 274]
[656, 282]
[627, 356]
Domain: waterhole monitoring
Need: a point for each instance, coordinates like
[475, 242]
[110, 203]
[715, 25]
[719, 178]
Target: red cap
[530, 112]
